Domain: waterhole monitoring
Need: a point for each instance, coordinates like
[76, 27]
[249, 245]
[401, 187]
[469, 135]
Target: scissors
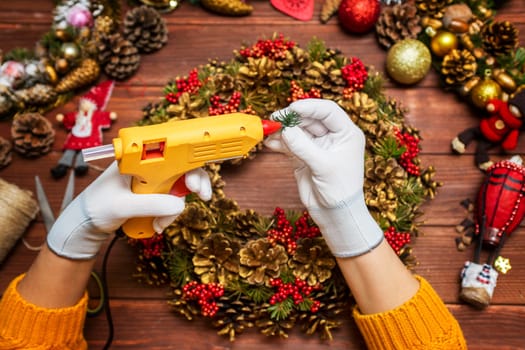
[49, 220]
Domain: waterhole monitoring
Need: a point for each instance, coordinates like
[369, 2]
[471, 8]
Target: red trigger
[179, 188]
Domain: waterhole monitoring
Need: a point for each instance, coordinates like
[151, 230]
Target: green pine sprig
[288, 118]
[281, 311]
[388, 148]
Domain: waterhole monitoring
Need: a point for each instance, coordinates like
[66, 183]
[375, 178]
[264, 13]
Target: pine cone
[37, 95]
[235, 315]
[432, 8]
[333, 304]
[86, 73]
[227, 7]
[191, 227]
[363, 111]
[458, 66]
[329, 9]
[33, 135]
[145, 28]
[260, 261]
[118, 57]
[5, 152]
[217, 259]
[152, 272]
[500, 37]
[396, 23]
[312, 262]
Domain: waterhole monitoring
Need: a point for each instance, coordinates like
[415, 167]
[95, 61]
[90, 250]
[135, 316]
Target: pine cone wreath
[119, 58]
[146, 29]
[32, 134]
[396, 23]
[6, 153]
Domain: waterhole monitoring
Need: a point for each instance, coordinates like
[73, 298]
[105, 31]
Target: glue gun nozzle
[270, 126]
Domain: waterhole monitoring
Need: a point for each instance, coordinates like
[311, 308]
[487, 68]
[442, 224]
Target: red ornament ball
[359, 16]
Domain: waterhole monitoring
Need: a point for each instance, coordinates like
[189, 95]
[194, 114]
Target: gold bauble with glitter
[408, 61]
[443, 42]
[487, 89]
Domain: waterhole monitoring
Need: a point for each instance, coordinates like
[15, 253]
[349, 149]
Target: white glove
[107, 203]
[329, 149]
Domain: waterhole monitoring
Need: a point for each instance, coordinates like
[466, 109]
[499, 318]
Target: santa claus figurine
[502, 127]
[85, 128]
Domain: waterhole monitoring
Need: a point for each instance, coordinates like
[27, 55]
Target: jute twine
[18, 208]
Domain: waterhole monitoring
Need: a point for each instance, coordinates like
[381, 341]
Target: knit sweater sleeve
[423, 322]
[26, 326]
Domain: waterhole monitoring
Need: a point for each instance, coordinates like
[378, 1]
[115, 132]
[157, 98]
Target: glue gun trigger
[179, 188]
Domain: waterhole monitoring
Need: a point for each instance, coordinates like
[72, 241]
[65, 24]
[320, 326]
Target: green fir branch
[374, 86]
[180, 267]
[388, 148]
[305, 305]
[288, 118]
[281, 311]
[316, 49]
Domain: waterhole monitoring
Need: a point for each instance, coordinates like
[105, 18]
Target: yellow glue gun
[157, 156]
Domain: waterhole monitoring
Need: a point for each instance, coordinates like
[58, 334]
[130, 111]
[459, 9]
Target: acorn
[504, 80]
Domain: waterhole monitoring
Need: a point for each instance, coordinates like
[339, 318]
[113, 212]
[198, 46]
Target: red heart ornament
[302, 10]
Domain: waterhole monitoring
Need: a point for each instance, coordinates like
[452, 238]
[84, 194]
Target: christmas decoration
[498, 211]
[501, 127]
[85, 128]
[408, 61]
[84, 40]
[358, 16]
[302, 10]
[443, 42]
[476, 55]
[242, 270]
[32, 134]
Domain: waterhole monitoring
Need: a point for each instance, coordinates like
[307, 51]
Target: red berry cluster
[152, 247]
[397, 240]
[274, 49]
[217, 108]
[204, 293]
[406, 160]
[297, 93]
[297, 290]
[355, 75]
[284, 232]
[191, 85]
[305, 227]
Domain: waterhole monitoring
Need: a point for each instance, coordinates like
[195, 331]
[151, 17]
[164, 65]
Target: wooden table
[141, 316]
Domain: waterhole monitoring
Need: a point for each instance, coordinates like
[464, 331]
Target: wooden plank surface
[142, 318]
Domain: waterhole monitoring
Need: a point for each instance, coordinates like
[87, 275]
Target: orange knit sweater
[423, 322]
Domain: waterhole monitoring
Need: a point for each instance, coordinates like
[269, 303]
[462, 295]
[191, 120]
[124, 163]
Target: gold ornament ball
[408, 61]
[70, 51]
[485, 90]
[443, 42]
